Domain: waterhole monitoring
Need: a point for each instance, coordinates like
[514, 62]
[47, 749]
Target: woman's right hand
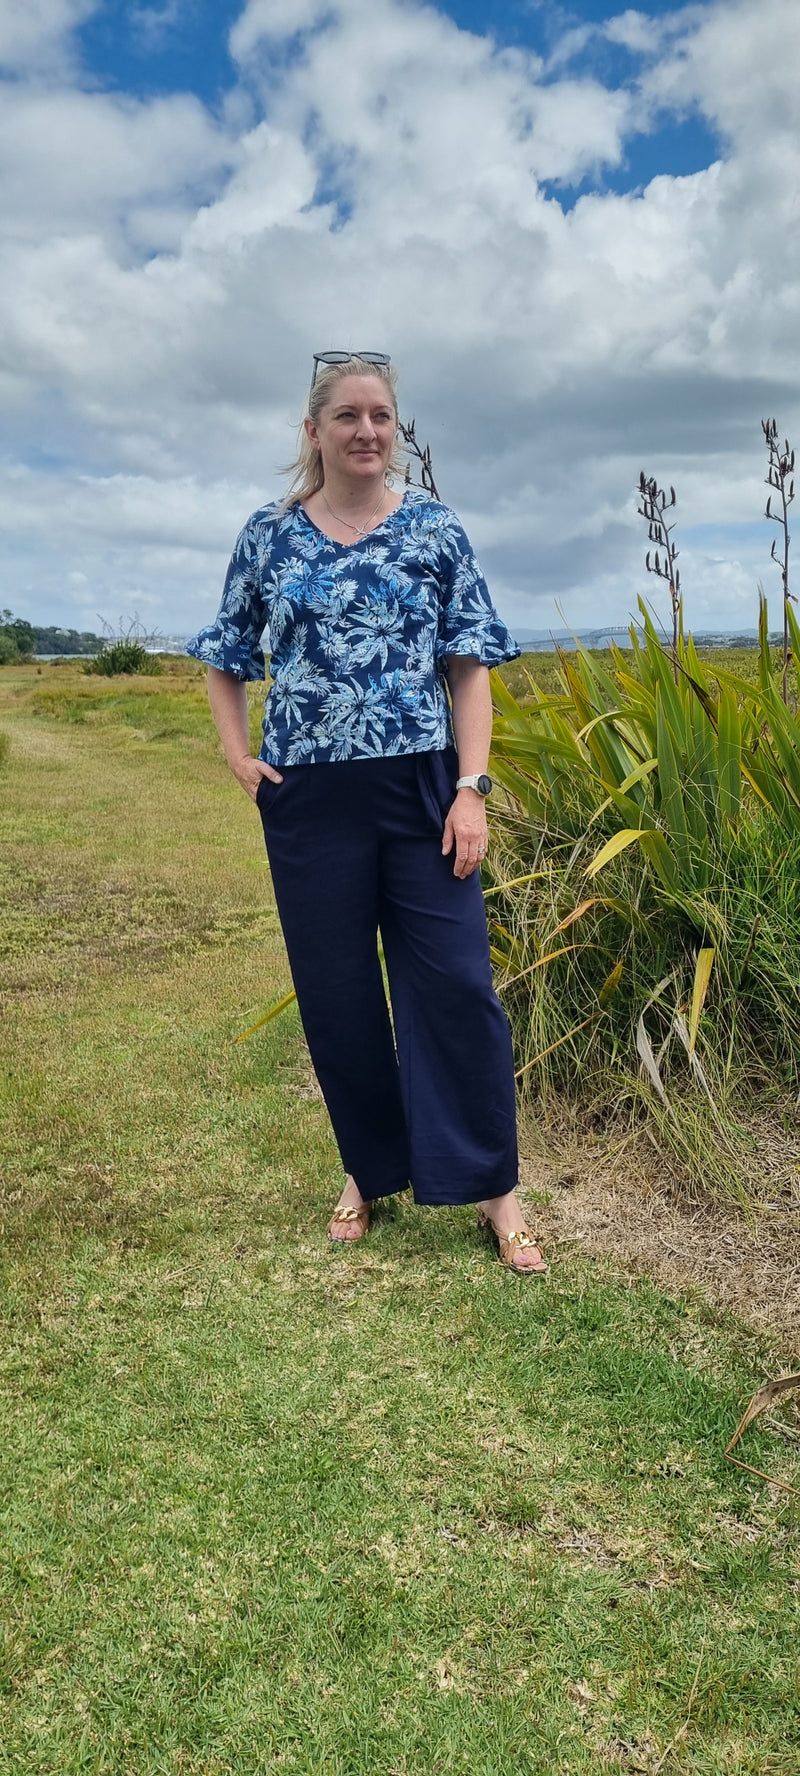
[228, 698]
[249, 771]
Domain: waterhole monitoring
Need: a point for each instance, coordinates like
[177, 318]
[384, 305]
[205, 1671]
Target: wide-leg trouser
[354, 849]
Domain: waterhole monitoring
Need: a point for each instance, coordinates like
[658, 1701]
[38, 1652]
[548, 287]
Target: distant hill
[53, 642]
[66, 641]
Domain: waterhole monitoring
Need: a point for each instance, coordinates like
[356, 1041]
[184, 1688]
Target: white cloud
[273, 183]
[637, 31]
[412, 108]
[274, 19]
[72, 160]
[36, 32]
[94, 538]
[152, 24]
[571, 44]
[738, 62]
[375, 180]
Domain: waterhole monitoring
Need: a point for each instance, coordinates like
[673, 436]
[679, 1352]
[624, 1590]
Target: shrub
[124, 656]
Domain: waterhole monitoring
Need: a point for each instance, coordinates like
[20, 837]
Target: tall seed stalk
[422, 453]
[780, 480]
[654, 507]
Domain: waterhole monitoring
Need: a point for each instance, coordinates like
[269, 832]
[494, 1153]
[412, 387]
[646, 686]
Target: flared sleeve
[468, 621]
[233, 642]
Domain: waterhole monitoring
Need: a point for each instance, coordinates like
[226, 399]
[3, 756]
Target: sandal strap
[348, 1213]
[522, 1235]
[517, 1242]
[521, 1242]
[509, 1243]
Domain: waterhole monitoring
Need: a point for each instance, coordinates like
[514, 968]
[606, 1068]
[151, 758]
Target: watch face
[484, 784]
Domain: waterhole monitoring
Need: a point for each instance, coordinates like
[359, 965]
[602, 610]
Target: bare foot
[351, 1217]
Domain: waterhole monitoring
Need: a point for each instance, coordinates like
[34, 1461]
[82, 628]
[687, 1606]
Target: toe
[530, 1258]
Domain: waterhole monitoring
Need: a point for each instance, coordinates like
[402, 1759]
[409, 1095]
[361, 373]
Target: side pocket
[437, 773]
[266, 793]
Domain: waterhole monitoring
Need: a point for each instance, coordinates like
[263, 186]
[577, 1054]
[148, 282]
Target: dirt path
[618, 1201]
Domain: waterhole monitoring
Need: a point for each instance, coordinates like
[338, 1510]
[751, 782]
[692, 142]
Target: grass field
[270, 1505]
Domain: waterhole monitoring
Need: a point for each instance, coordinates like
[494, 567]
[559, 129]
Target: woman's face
[356, 431]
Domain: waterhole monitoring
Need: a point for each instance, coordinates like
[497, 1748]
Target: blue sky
[161, 49]
[573, 226]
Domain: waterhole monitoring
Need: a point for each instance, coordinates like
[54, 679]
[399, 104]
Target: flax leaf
[702, 976]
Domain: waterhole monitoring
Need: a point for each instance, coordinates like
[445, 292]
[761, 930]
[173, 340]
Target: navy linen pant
[355, 848]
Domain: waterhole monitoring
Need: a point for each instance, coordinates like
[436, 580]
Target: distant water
[599, 638]
[602, 638]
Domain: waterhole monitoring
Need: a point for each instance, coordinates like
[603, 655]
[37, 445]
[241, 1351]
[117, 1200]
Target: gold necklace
[360, 529]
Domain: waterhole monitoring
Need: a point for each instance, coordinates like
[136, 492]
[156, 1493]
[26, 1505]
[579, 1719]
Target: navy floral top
[357, 632]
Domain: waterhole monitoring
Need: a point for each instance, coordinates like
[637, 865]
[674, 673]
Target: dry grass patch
[613, 1197]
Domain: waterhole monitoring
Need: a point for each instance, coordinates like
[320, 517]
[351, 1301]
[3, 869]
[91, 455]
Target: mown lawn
[273, 1505]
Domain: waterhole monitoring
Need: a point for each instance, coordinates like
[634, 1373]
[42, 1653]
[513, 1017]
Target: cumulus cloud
[270, 19]
[35, 33]
[637, 31]
[72, 160]
[736, 62]
[144, 537]
[379, 177]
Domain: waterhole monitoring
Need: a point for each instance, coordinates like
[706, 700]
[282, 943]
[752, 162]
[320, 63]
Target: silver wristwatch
[482, 783]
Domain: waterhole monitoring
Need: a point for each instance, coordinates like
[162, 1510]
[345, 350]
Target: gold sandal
[344, 1217]
[509, 1243]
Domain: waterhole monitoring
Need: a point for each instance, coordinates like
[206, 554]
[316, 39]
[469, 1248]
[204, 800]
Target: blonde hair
[307, 471]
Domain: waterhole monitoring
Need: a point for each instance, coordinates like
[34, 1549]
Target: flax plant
[643, 902]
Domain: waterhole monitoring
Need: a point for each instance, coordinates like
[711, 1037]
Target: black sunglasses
[343, 357]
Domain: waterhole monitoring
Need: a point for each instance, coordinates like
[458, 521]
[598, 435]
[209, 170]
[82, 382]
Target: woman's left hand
[465, 827]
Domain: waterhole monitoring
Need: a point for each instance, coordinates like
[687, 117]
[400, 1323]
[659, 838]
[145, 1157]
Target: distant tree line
[19, 638]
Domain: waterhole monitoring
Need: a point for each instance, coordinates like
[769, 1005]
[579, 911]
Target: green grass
[270, 1505]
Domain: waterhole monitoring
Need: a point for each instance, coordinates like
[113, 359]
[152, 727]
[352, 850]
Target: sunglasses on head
[343, 357]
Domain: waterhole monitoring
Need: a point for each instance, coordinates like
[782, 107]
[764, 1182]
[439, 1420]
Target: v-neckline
[360, 541]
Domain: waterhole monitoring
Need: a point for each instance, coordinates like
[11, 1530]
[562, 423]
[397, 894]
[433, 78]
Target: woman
[374, 820]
